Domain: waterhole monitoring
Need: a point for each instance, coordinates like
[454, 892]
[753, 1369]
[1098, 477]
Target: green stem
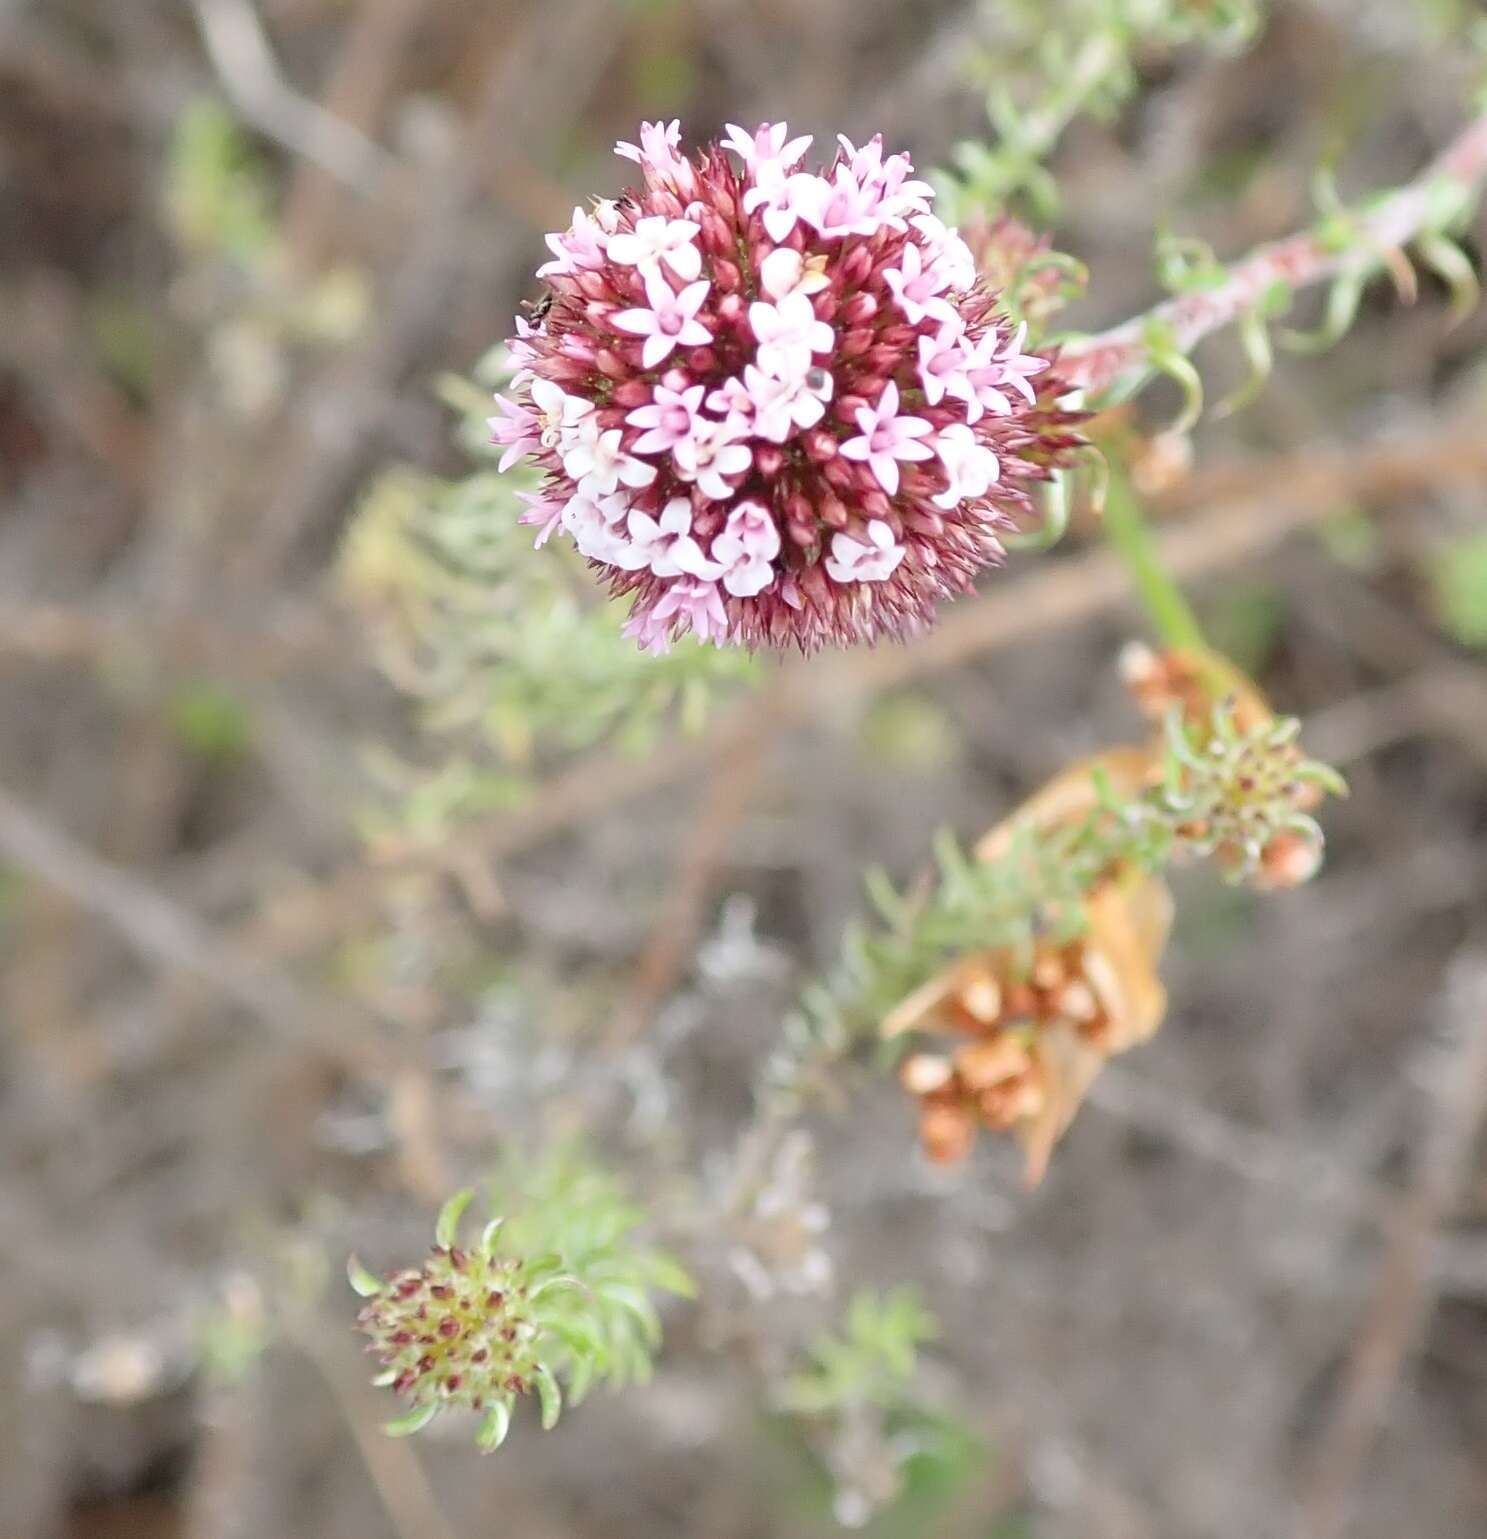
[1130, 536]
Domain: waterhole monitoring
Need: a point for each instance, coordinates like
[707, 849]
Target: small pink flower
[842, 207]
[656, 240]
[746, 549]
[693, 603]
[597, 464]
[666, 545]
[558, 413]
[657, 154]
[915, 288]
[993, 372]
[709, 456]
[516, 428]
[783, 199]
[971, 468]
[788, 334]
[594, 535]
[543, 514]
[943, 362]
[671, 418]
[872, 560]
[578, 248]
[670, 321]
[767, 146]
[886, 438]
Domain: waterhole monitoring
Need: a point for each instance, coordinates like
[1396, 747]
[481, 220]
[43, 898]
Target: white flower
[558, 413]
[971, 467]
[666, 545]
[886, 438]
[596, 462]
[671, 319]
[858, 561]
[784, 271]
[592, 533]
[656, 240]
[948, 253]
[788, 333]
[710, 455]
[746, 549]
[783, 199]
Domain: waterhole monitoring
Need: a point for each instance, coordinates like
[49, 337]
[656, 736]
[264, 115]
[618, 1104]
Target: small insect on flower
[797, 377]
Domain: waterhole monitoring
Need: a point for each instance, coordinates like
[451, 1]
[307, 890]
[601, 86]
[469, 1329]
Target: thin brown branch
[170, 937]
[1407, 1288]
[725, 803]
[365, 70]
[238, 47]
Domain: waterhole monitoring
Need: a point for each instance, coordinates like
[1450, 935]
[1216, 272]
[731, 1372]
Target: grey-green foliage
[1458, 575]
[1066, 57]
[1222, 790]
[514, 654]
[869, 1361]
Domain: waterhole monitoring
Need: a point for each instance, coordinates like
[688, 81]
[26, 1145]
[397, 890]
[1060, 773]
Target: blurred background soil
[229, 1049]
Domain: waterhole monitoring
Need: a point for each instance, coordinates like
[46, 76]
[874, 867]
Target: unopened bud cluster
[456, 1331]
[1239, 787]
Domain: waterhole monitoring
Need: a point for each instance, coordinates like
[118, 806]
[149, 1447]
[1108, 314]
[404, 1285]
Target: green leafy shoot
[869, 1361]
[548, 1302]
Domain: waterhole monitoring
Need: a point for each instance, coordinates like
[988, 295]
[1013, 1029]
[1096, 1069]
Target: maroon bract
[777, 407]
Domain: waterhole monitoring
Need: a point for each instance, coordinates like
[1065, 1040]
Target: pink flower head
[774, 404]
[671, 320]
[885, 438]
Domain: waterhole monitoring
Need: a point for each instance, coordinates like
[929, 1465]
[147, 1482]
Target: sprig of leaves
[869, 1361]
[552, 1301]
[1215, 788]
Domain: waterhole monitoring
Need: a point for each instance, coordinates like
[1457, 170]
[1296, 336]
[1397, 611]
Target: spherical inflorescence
[776, 406]
[457, 1331]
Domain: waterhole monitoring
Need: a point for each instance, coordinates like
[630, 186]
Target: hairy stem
[1299, 261]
